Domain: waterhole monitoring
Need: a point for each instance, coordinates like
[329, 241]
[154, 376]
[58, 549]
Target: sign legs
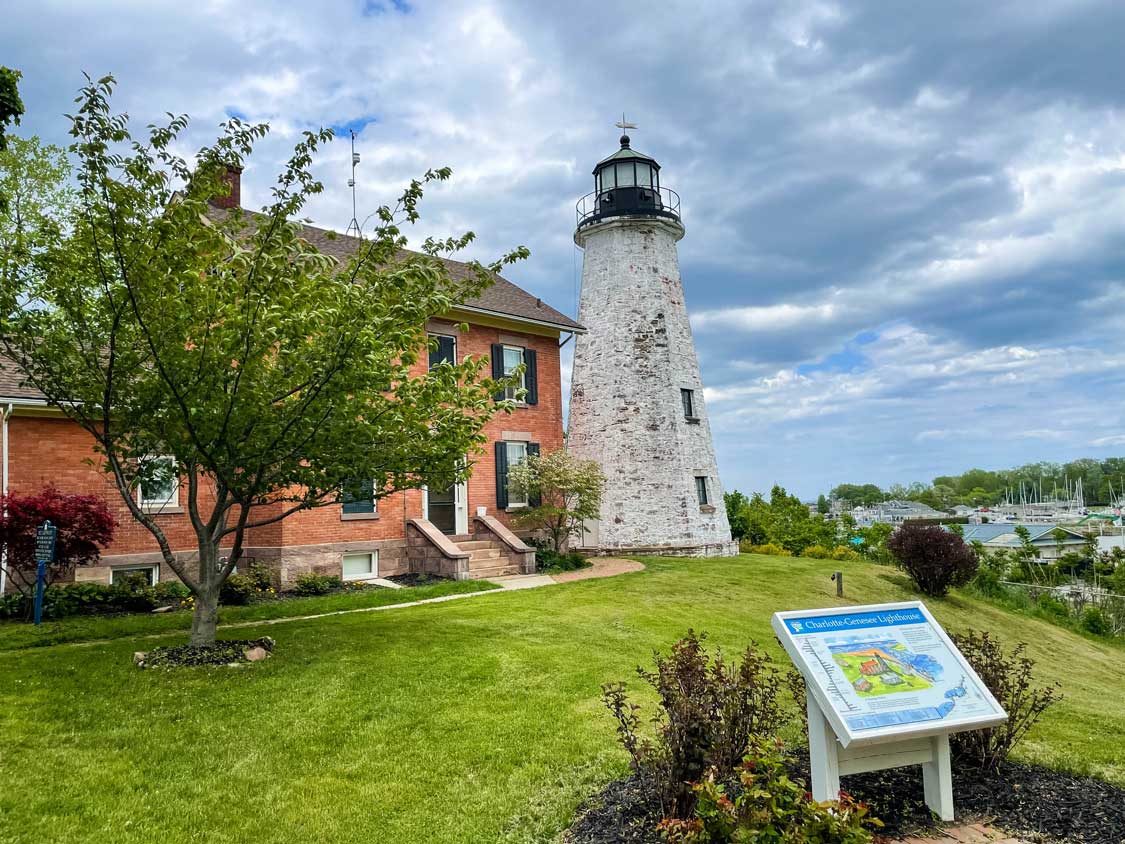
[824, 759]
[937, 779]
[828, 760]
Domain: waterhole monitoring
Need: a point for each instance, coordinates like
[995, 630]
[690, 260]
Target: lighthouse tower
[636, 398]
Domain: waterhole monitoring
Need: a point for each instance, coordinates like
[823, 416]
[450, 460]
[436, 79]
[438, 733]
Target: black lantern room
[627, 184]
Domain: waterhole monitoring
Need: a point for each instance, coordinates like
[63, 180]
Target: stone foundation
[711, 549]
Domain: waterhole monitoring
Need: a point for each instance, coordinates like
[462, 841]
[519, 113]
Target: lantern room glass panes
[644, 175]
[625, 174]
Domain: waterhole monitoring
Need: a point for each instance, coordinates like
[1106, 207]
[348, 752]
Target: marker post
[44, 555]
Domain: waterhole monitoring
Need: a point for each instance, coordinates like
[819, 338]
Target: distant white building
[895, 513]
[963, 510]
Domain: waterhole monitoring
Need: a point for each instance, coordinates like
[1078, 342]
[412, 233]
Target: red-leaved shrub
[936, 559]
[84, 523]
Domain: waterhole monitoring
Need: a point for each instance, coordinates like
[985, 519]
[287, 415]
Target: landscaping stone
[222, 652]
[167, 608]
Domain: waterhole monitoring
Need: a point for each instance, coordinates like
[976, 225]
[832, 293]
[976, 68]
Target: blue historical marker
[44, 554]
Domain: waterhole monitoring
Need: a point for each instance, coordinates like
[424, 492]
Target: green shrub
[769, 549]
[311, 583]
[709, 710]
[817, 552]
[261, 576]
[547, 559]
[1052, 606]
[237, 591]
[843, 553]
[1093, 620]
[170, 590]
[987, 583]
[770, 808]
[1009, 677]
[13, 605]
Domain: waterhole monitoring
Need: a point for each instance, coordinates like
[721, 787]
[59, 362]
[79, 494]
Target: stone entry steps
[490, 551]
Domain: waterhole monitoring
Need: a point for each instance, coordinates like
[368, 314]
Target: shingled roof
[502, 298]
[10, 378]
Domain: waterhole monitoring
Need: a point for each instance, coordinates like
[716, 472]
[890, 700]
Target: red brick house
[463, 531]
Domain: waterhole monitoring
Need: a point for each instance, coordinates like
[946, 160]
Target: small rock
[255, 654]
[139, 658]
[168, 608]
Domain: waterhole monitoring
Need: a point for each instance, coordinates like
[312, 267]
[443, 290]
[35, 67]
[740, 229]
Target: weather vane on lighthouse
[625, 124]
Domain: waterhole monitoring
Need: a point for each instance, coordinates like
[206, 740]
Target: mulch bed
[1026, 800]
[222, 652]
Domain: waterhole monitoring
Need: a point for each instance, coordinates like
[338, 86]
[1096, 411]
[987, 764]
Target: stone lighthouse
[636, 398]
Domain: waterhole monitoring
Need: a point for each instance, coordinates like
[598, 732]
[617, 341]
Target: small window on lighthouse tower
[701, 490]
[688, 398]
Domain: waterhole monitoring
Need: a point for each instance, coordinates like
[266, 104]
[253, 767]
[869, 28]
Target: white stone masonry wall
[626, 410]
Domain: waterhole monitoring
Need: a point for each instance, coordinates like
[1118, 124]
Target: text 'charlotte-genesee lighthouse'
[636, 399]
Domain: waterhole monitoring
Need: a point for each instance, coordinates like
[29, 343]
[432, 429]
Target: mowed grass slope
[476, 720]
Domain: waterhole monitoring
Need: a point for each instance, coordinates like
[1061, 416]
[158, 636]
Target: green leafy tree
[11, 106]
[565, 492]
[265, 375]
[34, 182]
[822, 505]
[738, 514]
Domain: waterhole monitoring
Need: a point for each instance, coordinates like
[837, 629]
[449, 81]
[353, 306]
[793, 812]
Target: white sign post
[886, 687]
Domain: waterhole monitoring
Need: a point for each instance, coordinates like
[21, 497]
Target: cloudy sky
[905, 223]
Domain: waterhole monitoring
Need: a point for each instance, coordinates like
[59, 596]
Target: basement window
[363, 566]
[119, 576]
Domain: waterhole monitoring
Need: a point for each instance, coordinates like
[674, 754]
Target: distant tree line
[1102, 481]
[781, 524]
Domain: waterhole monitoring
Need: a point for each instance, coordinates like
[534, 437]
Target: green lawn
[16, 635]
[474, 720]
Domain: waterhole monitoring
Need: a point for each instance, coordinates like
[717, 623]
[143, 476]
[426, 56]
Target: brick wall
[45, 450]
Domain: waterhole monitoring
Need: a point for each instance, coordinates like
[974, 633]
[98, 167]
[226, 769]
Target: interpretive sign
[886, 686]
[44, 554]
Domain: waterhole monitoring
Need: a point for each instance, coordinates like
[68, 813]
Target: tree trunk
[205, 619]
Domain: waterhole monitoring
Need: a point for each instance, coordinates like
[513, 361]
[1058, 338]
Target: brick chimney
[232, 177]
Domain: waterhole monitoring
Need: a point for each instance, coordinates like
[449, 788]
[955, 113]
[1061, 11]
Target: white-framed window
[513, 357]
[363, 565]
[359, 497]
[159, 486]
[517, 453]
[687, 397]
[701, 490]
[121, 574]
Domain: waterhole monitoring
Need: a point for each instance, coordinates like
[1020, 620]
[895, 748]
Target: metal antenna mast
[354, 224]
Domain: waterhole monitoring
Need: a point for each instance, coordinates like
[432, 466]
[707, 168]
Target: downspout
[4, 414]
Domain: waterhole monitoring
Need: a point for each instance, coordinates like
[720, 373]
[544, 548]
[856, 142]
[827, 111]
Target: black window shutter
[444, 352]
[533, 448]
[531, 377]
[498, 373]
[501, 473]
